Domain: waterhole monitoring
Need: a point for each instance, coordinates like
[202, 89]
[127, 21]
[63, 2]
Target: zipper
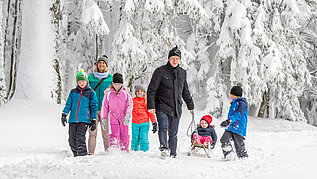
[81, 92]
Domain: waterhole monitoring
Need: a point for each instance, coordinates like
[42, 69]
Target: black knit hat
[237, 90]
[117, 78]
[103, 58]
[174, 52]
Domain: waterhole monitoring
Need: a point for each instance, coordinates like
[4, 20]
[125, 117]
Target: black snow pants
[238, 141]
[77, 138]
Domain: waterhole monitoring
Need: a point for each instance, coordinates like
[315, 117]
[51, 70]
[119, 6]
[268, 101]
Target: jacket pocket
[167, 82]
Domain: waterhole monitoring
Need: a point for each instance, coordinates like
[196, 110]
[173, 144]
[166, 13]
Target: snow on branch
[313, 72]
[154, 5]
[93, 17]
[193, 8]
[129, 6]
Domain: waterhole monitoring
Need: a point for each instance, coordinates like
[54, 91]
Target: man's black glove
[92, 124]
[63, 119]
[154, 125]
[225, 123]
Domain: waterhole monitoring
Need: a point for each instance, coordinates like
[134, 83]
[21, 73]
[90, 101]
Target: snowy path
[35, 146]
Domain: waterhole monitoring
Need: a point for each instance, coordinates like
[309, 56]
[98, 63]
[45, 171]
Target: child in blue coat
[82, 103]
[236, 125]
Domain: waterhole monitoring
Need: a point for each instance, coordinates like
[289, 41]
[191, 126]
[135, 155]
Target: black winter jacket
[209, 131]
[167, 88]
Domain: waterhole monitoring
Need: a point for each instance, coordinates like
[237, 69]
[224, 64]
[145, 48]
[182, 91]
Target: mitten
[126, 119]
[63, 119]
[154, 125]
[225, 123]
[92, 124]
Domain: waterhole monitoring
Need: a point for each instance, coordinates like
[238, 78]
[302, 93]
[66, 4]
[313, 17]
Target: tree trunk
[6, 28]
[57, 93]
[264, 104]
[97, 46]
[130, 83]
[15, 48]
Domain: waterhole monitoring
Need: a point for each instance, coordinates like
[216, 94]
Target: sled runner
[195, 147]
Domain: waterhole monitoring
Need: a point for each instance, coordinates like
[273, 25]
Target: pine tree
[308, 100]
[259, 46]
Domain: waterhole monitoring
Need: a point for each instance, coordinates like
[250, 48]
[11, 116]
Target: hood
[241, 99]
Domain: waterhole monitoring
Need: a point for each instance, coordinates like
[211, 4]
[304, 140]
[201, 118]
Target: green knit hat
[81, 76]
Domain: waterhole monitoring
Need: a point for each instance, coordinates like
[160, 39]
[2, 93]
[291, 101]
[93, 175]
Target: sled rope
[192, 126]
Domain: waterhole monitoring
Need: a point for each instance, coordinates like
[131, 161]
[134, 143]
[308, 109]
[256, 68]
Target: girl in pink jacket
[117, 106]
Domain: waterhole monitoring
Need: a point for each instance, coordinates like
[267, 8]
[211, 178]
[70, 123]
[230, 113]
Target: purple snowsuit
[115, 107]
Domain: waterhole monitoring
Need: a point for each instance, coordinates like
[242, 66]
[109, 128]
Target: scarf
[101, 75]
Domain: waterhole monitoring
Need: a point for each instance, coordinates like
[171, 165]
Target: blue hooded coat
[238, 116]
[83, 105]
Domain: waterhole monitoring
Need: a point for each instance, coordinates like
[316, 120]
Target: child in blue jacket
[237, 125]
[82, 102]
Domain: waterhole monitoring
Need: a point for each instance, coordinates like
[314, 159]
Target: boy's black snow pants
[77, 138]
[238, 144]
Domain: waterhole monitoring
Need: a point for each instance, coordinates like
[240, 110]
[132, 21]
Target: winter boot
[164, 153]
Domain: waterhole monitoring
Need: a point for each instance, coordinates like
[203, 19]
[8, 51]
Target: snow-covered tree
[259, 46]
[308, 101]
[82, 21]
[238, 56]
[201, 43]
[289, 17]
[35, 68]
[146, 31]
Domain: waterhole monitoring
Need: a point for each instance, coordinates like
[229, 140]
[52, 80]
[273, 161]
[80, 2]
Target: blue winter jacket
[238, 116]
[83, 105]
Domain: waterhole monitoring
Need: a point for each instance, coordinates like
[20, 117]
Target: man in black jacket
[165, 92]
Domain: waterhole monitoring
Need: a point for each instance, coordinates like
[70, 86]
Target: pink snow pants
[119, 134]
[202, 139]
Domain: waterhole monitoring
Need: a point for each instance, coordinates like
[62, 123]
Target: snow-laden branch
[93, 17]
[313, 72]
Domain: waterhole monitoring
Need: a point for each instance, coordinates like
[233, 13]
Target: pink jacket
[116, 106]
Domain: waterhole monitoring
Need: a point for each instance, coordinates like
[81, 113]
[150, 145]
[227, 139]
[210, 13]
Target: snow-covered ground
[33, 144]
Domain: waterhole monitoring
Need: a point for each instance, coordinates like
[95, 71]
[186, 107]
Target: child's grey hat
[139, 87]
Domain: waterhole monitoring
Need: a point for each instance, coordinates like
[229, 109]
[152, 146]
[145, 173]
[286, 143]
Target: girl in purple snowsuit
[117, 106]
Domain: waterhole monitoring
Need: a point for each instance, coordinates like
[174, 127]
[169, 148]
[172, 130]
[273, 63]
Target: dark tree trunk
[57, 93]
[264, 104]
[15, 48]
